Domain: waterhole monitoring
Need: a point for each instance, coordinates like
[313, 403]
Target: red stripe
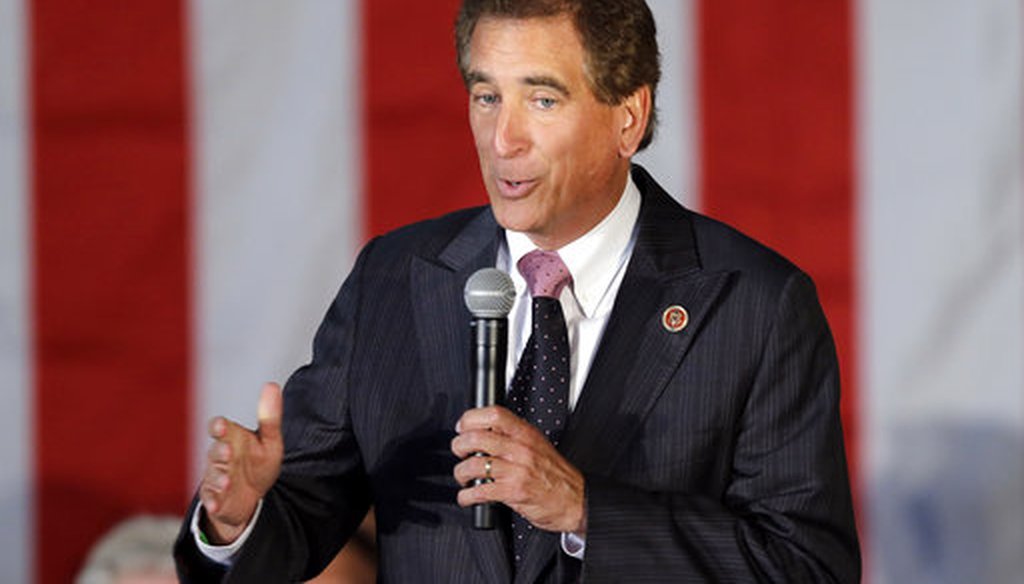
[420, 159]
[111, 219]
[777, 145]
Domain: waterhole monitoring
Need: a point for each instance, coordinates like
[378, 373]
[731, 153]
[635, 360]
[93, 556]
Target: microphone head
[489, 293]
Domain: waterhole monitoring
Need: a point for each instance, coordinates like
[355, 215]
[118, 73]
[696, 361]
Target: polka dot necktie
[540, 387]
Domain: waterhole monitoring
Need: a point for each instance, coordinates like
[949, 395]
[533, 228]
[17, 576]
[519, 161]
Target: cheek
[598, 153]
[482, 130]
[576, 143]
[483, 152]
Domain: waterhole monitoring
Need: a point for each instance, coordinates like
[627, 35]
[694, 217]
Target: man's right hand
[241, 467]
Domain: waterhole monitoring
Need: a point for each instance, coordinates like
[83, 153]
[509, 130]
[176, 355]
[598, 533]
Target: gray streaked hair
[140, 544]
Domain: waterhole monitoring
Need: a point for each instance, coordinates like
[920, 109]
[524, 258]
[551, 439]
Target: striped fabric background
[183, 185]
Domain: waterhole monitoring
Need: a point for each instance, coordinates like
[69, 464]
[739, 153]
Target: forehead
[505, 46]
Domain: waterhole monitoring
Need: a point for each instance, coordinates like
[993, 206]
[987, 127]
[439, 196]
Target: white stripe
[672, 157]
[943, 289]
[16, 534]
[278, 189]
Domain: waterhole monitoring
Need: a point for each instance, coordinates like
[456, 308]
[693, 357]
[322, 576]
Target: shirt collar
[594, 258]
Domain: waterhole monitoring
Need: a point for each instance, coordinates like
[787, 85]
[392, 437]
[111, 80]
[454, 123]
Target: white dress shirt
[597, 262]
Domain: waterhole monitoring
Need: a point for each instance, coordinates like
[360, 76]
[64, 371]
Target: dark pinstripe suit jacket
[714, 454]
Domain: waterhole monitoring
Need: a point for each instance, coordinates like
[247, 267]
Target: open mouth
[515, 183]
[515, 188]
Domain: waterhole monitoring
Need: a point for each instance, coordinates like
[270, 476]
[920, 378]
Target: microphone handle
[490, 351]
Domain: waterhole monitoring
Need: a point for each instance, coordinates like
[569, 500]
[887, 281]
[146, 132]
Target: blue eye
[546, 102]
[486, 99]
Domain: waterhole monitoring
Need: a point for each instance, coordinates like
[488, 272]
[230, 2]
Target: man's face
[551, 155]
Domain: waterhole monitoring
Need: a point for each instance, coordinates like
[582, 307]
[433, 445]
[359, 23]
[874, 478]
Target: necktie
[540, 387]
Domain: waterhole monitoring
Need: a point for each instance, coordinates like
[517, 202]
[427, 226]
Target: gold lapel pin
[675, 318]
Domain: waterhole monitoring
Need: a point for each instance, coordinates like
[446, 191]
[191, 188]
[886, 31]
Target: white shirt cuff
[574, 545]
[223, 554]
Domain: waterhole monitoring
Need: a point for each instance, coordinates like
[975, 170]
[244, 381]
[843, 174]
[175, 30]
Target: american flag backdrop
[184, 184]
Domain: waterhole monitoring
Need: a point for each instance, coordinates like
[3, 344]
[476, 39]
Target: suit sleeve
[786, 514]
[322, 493]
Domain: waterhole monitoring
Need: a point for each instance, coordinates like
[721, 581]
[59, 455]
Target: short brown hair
[618, 36]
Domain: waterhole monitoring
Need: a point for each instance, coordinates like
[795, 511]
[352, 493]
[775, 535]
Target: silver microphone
[489, 296]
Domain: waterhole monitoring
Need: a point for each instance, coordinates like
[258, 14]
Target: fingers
[528, 473]
[499, 491]
[549, 494]
[477, 467]
[222, 523]
[230, 442]
[497, 445]
[500, 433]
[224, 430]
[216, 482]
[217, 427]
[219, 453]
[504, 486]
[242, 464]
[495, 419]
[269, 413]
[217, 477]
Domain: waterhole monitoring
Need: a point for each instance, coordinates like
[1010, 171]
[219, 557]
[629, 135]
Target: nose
[510, 135]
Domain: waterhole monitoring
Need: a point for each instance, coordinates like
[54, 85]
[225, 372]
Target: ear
[635, 111]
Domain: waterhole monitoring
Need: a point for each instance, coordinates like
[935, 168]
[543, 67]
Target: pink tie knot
[545, 273]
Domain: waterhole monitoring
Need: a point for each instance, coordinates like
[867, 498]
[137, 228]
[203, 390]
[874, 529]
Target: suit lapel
[439, 312]
[442, 331]
[664, 271]
[638, 354]
[617, 398]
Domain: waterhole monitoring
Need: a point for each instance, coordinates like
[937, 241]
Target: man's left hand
[528, 474]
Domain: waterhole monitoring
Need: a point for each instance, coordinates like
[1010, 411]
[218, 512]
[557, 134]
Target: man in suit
[701, 437]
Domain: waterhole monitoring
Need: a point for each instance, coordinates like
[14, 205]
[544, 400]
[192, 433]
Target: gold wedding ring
[487, 469]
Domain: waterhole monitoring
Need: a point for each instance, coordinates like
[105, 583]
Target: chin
[511, 220]
[508, 221]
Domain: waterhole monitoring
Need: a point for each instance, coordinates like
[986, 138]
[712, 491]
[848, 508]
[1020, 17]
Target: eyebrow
[474, 77]
[547, 81]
